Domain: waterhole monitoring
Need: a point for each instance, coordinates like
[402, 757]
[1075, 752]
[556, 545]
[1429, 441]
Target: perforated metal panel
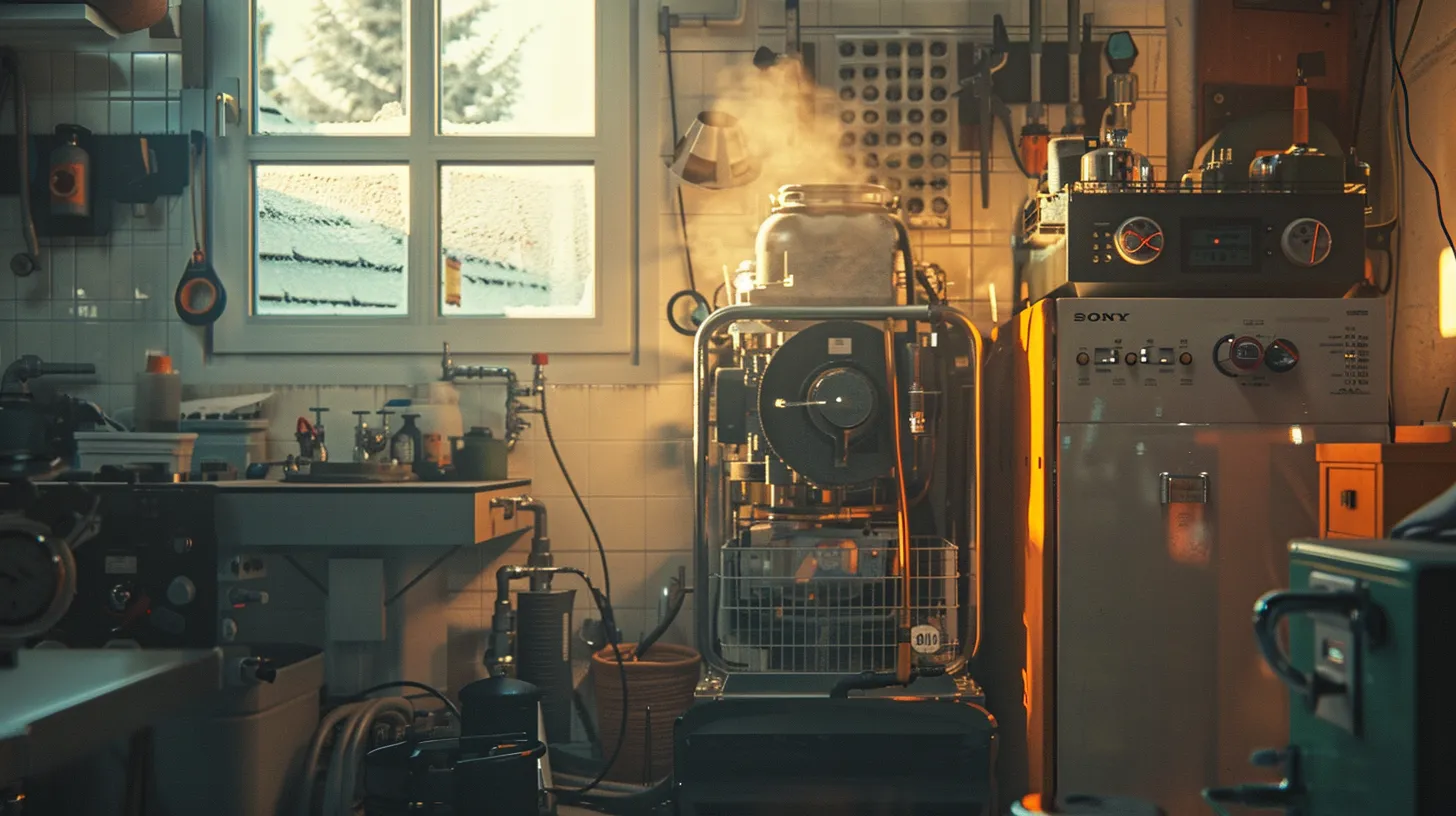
[898, 117]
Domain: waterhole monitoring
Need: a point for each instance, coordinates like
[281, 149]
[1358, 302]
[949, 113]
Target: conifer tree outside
[354, 70]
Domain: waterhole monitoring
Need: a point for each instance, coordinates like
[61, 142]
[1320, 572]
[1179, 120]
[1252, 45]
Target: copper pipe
[903, 658]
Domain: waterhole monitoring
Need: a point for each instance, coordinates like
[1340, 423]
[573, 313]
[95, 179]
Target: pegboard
[898, 117]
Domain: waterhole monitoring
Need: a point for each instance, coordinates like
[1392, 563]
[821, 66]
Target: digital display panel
[1220, 245]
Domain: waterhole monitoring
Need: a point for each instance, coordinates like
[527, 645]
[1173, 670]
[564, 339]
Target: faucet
[368, 442]
[516, 424]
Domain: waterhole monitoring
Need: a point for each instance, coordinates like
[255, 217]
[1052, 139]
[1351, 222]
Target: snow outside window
[425, 170]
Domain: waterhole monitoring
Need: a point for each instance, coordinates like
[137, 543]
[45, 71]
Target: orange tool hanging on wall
[1034, 134]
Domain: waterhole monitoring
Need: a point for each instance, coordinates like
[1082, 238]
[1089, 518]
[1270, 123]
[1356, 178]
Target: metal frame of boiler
[704, 496]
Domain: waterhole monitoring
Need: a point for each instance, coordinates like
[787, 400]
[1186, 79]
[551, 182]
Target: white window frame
[235, 149]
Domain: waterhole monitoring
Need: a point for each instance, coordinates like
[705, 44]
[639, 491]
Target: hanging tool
[981, 85]
[26, 261]
[1035, 136]
[200, 297]
[1076, 121]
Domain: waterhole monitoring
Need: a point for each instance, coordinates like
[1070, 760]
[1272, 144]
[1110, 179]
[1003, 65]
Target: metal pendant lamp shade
[714, 153]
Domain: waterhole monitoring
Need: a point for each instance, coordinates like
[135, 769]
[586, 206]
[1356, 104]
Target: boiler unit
[1153, 456]
[836, 541]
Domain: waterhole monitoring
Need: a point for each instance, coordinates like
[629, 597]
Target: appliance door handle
[1274, 606]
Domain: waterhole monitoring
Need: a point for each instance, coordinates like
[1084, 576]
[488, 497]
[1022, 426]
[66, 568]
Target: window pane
[331, 240]
[518, 241]
[330, 66]
[518, 67]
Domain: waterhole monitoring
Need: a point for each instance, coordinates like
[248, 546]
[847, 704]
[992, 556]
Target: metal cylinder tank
[828, 245]
[543, 655]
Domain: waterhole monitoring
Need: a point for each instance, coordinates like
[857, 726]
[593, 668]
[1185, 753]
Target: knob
[119, 598]
[1281, 356]
[181, 591]
[181, 545]
[1246, 353]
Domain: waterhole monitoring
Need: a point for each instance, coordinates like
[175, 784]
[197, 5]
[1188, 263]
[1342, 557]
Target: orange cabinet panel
[1365, 488]
[1351, 501]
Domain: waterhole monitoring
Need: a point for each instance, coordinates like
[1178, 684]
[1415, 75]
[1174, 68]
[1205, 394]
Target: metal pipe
[1075, 123]
[1035, 111]
[1181, 26]
[934, 313]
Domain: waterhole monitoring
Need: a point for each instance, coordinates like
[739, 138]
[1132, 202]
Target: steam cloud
[792, 125]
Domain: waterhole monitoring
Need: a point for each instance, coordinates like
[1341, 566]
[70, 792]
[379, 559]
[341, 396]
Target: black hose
[10, 61]
[674, 607]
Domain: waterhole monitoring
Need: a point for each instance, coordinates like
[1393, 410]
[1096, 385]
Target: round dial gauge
[1306, 242]
[37, 578]
[1139, 240]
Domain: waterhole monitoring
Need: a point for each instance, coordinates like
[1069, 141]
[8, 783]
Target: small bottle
[407, 445]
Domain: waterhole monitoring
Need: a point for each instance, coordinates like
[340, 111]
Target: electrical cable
[581, 505]
[1410, 35]
[1409, 137]
[1395, 60]
[10, 62]
[430, 690]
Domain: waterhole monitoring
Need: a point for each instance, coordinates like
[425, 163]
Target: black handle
[1275, 605]
[1347, 499]
[200, 298]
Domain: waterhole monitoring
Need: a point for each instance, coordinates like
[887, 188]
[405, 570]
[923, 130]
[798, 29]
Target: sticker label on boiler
[121, 565]
[925, 639]
[841, 345]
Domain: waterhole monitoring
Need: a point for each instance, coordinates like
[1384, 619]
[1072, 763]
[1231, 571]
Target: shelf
[35, 23]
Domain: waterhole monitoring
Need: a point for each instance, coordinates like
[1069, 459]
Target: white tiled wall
[107, 301]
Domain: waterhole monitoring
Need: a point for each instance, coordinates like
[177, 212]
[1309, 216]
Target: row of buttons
[1106, 258]
[1148, 356]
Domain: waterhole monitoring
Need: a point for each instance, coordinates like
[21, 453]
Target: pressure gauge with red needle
[1139, 240]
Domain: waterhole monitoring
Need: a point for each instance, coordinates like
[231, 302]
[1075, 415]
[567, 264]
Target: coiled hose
[355, 722]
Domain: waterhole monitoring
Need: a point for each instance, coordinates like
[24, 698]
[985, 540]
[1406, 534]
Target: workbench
[383, 514]
[60, 705]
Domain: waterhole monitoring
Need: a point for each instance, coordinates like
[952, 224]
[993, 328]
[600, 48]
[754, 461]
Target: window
[412, 171]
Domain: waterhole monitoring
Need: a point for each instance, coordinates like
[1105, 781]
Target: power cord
[398, 684]
[581, 505]
[1395, 60]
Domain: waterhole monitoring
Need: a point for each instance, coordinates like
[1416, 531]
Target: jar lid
[833, 195]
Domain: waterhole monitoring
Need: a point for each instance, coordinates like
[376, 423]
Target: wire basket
[833, 606]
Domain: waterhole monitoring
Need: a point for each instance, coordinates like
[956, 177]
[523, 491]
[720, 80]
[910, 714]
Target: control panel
[150, 576]
[1221, 360]
[1239, 244]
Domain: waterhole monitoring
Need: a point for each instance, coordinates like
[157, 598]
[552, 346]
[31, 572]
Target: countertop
[59, 705]
[379, 514]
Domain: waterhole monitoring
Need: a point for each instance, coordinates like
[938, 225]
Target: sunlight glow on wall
[1448, 293]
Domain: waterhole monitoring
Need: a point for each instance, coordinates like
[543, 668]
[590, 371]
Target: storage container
[242, 753]
[237, 442]
[95, 449]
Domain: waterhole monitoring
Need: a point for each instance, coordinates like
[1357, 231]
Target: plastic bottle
[407, 446]
[438, 406]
